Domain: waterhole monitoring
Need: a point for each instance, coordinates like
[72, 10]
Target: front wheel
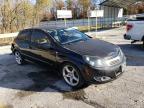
[72, 75]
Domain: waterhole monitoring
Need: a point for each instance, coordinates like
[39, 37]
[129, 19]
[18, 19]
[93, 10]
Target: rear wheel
[18, 58]
[72, 75]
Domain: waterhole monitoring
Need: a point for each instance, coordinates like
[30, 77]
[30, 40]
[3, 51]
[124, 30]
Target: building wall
[112, 12]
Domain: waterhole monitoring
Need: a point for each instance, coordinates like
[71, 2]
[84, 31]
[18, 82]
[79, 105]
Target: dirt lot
[35, 86]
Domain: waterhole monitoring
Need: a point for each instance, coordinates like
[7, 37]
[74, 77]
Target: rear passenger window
[39, 37]
[24, 35]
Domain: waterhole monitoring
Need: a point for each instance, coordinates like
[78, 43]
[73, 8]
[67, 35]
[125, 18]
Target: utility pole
[65, 8]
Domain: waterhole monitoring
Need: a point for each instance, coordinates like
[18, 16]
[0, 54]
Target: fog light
[102, 78]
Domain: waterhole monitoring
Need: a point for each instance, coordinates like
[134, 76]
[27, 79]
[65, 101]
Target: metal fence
[102, 22]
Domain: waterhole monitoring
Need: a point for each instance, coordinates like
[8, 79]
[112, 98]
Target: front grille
[114, 62]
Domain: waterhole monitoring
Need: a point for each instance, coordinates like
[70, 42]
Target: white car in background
[135, 29]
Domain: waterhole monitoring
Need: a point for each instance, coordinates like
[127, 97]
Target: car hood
[92, 47]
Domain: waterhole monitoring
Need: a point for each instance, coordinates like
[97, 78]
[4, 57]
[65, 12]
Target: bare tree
[42, 9]
[21, 14]
[85, 5]
[136, 8]
[59, 4]
[69, 4]
[15, 16]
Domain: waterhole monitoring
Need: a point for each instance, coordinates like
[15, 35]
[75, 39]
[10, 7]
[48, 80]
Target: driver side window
[39, 37]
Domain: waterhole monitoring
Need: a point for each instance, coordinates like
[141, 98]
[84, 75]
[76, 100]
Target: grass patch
[91, 28]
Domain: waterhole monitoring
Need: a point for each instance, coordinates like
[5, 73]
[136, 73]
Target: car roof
[44, 28]
[47, 28]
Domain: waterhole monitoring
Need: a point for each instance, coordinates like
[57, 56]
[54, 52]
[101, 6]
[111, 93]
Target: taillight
[129, 27]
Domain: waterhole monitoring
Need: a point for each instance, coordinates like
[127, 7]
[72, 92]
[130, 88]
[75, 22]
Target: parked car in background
[78, 57]
[135, 29]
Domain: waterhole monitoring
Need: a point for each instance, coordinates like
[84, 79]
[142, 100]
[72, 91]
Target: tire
[143, 41]
[143, 38]
[72, 76]
[18, 58]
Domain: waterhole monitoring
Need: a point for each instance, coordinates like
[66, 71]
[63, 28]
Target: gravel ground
[36, 86]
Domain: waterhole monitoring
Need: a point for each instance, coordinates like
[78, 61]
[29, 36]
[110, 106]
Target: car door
[42, 47]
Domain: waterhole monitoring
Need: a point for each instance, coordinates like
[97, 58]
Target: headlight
[94, 61]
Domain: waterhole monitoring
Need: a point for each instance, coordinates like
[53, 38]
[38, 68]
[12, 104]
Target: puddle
[11, 77]
[45, 80]
[42, 80]
[7, 71]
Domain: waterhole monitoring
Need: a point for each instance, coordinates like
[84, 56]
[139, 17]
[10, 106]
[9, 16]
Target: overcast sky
[33, 1]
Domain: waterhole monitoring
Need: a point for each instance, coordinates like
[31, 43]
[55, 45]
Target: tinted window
[39, 37]
[24, 35]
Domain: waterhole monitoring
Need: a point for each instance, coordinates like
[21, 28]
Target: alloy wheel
[70, 75]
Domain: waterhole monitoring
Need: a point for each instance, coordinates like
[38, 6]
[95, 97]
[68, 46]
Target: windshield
[65, 36]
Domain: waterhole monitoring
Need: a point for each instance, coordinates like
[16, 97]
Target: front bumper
[104, 74]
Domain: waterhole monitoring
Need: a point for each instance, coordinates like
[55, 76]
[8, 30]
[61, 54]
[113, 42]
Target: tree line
[136, 8]
[18, 14]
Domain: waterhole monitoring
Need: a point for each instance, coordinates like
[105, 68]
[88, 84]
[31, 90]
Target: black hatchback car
[78, 57]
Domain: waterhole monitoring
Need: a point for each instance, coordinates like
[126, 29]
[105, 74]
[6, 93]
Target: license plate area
[118, 73]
